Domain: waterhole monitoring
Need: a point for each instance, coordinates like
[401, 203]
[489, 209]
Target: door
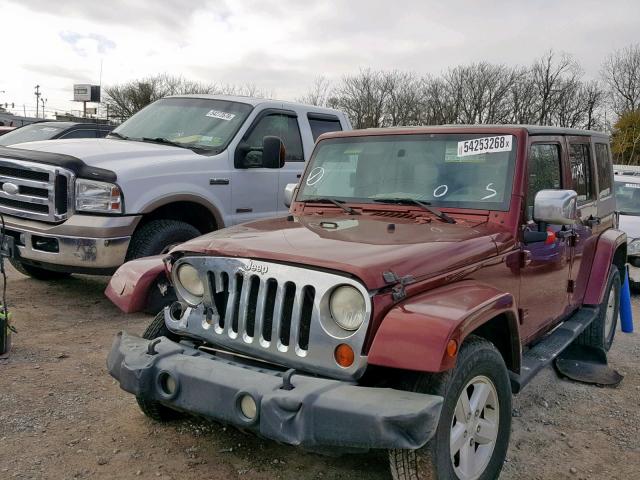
[294, 160]
[545, 269]
[255, 189]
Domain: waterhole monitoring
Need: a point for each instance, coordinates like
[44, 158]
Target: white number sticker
[221, 115]
[477, 146]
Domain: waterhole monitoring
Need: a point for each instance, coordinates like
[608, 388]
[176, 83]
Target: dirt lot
[62, 416]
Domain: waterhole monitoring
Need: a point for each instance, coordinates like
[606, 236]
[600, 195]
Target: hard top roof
[255, 101]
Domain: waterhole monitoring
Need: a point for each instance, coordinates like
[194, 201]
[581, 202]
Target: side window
[544, 171]
[581, 175]
[323, 124]
[278, 125]
[84, 133]
[603, 164]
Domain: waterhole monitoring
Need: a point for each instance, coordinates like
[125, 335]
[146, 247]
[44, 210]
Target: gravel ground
[62, 416]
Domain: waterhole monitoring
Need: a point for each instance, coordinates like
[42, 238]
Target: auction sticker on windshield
[221, 115]
[477, 146]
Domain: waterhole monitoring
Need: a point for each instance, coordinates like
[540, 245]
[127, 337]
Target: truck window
[279, 125]
[544, 171]
[84, 133]
[322, 124]
[581, 175]
[603, 165]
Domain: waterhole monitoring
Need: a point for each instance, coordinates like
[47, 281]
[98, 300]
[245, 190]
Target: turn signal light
[452, 348]
[344, 355]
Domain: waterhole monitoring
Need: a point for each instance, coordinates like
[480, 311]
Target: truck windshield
[30, 133]
[447, 170]
[628, 198]
[204, 125]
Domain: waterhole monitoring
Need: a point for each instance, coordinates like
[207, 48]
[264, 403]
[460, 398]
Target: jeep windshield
[444, 170]
[203, 125]
[628, 197]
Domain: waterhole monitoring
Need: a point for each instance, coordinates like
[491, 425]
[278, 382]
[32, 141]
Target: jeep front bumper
[315, 413]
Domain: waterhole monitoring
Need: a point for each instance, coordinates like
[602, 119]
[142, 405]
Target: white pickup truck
[181, 167]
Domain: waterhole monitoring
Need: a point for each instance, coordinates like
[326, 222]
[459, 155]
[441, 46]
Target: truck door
[296, 154]
[254, 188]
[545, 267]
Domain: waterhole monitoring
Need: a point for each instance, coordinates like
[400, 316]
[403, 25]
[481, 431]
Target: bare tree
[319, 93]
[621, 72]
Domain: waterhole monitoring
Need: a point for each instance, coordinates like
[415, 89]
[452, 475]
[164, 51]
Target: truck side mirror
[556, 207]
[273, 152]
[289, 193]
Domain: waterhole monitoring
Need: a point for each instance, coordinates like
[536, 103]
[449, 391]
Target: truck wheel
[152, 409]
[602, 330]
[158, 236]
[37, 272]
[472, 436]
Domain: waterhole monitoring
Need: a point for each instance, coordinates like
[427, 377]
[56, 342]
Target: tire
[37, 272]
[157, 236]
[480, 362]
[152, 409]
[601, 332]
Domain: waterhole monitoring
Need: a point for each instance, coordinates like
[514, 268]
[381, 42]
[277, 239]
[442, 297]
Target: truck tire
[479, 377]
[152, 409]
[158, 236]
[601, 332]
[37, 272]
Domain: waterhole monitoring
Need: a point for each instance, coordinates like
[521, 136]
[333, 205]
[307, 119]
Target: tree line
[553, 90]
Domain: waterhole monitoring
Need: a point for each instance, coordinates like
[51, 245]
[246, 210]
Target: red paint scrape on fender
[414, 334]
[129, 287]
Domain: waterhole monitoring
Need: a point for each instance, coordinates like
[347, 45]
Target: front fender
[129, 287]
[414, 334]
[606, 248]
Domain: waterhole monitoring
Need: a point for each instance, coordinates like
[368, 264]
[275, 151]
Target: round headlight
[347, 307]
[189, 280]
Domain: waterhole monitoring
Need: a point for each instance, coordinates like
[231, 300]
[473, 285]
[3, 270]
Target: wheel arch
[194, 210]
[414, 335]
[610, 249]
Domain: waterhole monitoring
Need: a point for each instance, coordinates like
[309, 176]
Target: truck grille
[275, 312]
[34, 191]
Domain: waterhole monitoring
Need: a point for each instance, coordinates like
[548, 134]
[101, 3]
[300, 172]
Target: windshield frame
[503, 206]
[194, 148]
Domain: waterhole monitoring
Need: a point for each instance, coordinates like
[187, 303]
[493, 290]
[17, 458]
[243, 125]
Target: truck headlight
[347, 307]
[189, 284]
[102, 197]
[634, 247]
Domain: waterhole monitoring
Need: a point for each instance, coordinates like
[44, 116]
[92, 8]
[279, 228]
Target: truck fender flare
[186, 197]
[415, 333]
[609, 242]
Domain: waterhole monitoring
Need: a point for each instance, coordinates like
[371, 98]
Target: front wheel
[472, 436]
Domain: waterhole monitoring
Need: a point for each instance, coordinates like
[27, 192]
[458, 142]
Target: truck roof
[255, 101]
[530, 129]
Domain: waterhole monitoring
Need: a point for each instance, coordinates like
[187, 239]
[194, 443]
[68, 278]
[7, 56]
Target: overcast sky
[281, 45]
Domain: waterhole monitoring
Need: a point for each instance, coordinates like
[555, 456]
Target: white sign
[477, 146]
[221, 115]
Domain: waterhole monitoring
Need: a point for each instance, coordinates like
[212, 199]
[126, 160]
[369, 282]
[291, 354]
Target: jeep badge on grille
[255, 267]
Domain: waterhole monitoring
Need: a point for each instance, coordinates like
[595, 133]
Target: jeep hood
[363, 246]
[108, 153]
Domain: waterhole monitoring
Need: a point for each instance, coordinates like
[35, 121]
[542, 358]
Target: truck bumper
[82, 244]
[316, 413]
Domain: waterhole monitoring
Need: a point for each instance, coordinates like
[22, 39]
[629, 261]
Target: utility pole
[43, 100]
[37, 94]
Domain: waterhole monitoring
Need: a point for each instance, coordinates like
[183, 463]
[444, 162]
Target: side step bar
[545, 351]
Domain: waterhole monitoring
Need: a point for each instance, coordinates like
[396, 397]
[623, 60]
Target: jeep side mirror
[272, 152]
[289, 193]
[556, 207]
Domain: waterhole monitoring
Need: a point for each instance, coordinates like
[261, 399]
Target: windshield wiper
[412, 201]
[337, 203]
[118, 135]
[163, 140]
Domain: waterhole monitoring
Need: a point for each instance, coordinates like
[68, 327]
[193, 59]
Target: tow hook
[286, 379]
[151, 348]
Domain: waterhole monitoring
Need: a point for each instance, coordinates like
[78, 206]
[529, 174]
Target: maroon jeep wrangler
[422, 277]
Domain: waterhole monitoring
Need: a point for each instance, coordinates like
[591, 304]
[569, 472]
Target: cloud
[83, 45]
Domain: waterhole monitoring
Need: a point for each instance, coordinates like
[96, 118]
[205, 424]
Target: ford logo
[10, 188]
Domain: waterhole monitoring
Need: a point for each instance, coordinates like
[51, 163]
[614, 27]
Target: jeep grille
[275, 312]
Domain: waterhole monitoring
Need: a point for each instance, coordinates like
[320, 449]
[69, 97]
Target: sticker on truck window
[221, 115]
[478, 146]
[632, 185]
